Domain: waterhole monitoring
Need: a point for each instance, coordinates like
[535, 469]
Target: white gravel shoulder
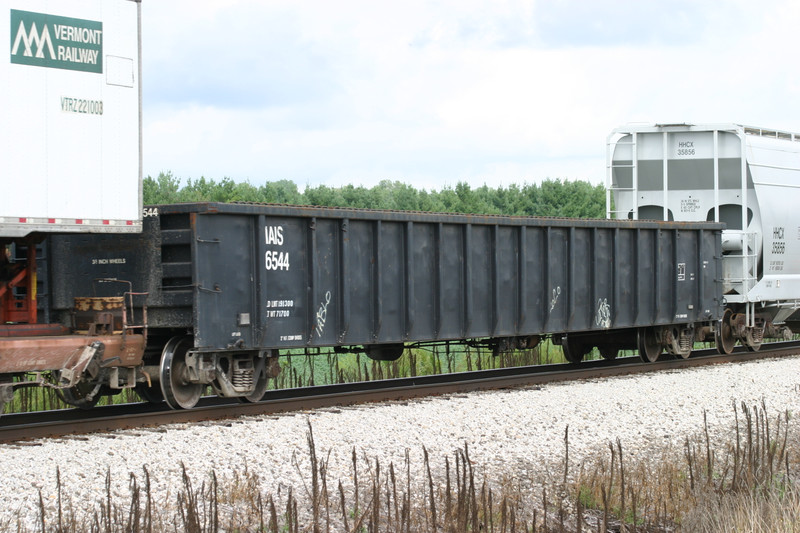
[507, 431]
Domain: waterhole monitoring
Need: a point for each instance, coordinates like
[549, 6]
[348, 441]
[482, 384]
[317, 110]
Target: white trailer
[746, 177]
[70, 145]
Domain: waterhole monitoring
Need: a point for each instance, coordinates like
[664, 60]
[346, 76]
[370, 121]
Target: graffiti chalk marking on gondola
[322, 314]
[603, 317]
[554, 300]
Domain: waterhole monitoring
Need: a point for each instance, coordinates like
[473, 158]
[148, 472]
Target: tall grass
[318, 367]
[747, 483]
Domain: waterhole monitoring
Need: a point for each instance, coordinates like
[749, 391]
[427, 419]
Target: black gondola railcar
[231, 285]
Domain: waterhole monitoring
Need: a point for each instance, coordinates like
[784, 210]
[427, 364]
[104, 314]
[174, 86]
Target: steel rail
[28, 426]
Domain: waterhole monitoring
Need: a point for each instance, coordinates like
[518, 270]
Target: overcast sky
[436, 92]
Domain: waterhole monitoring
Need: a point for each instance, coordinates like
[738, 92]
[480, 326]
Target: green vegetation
[551, 198]
[323, 367]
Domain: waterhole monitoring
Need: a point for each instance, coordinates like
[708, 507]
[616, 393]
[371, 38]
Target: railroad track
[28, 426]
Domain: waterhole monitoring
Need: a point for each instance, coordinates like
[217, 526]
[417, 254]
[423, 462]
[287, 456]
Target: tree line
[550, 198]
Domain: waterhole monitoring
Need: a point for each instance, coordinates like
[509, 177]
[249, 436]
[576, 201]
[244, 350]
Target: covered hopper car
[223, 289]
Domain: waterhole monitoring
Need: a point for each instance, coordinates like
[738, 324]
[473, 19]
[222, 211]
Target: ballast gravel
[508, 432]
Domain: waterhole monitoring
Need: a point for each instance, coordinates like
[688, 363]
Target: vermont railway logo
[51, 41]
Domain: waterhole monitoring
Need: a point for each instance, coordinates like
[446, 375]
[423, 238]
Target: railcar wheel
[649, 345]
[609, 353]
[723, 334]
[573, 349]
[178, 392]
